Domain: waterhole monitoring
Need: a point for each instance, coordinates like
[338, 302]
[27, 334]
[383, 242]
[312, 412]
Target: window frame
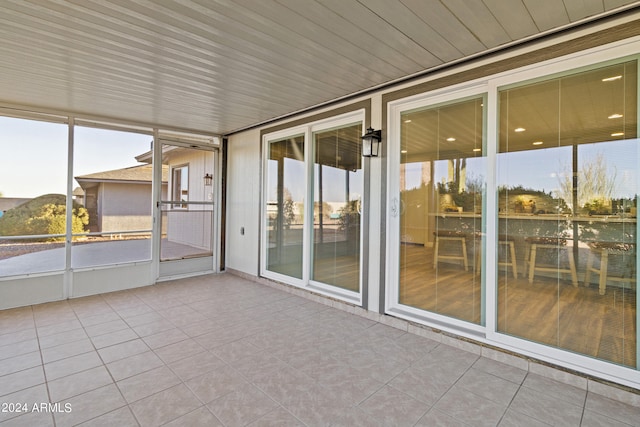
[174, 169]
[307, 130]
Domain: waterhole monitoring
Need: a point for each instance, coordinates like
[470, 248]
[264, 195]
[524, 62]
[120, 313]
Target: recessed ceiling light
[451, 139]
[615, 116]
[519, 129]
[403, 151]
[611, 79]
[477, 149]
[538, 143]
[617, 134]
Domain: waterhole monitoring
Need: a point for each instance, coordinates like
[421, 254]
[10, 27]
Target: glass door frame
[171, 269]
[582, 61]
[556, 69]
[307, 130]
[392, 278]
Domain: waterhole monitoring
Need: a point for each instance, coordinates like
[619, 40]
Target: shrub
[43, 215]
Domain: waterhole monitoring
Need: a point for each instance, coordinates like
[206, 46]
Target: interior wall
[243, 202]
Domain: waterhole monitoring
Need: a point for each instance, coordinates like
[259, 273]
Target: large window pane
[33, 187]
[115, 189]
[285, 205]
[567, 175]
[337, 190]
[442, 176]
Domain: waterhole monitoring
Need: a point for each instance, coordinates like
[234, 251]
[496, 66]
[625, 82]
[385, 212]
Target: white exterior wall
[126, 207]
[243, 202]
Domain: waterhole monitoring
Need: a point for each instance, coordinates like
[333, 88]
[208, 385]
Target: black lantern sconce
[371, 143]
[208, 179]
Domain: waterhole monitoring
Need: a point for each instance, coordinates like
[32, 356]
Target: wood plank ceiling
[221, 65]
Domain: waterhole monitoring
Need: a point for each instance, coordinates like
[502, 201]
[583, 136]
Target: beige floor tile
[154, 327]
[81, 382]
[93, 318]
[21, 380]
[15, 337]
[105, 328]
[114, 338]
[90, 405]
[555, 389]
[165, 406]
[62, 338]
[613, 409]
[215, 384]
[122, 417]
[164, 338]
[488, 386]
[30, 419]
[23, 347]
[140, 316]
[71, 365]
[470, 408]
[594, 419]
[134, 365]
[515, 419]
[123, 350]
[200, 417]
[59, 326]
[392, 407]
[266, 358]
[501, 370]
[542, 407]
[64, 351]
[147, 383]
[242, 406]
[235, 350]
[196, 365]
[29, 396]
[20, 363]
[179, 350]
[278, 417]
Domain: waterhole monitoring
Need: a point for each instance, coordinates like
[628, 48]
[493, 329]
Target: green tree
[43, 215]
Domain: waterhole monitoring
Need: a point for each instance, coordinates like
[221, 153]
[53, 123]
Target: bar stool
[604, 249]
[510, 243]
[555, 243]
[450, 236]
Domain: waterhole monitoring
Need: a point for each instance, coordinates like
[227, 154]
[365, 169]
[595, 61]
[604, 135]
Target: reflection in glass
[442, 178]
[115, 190]
[285, 206]
[338, 185]
[33, 187]
[567, 174]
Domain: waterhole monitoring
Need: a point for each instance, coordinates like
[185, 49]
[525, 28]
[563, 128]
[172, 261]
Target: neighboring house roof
[134, 174]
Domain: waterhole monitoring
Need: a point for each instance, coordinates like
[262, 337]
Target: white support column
[67, 291]
[376, 194]
[156, 191]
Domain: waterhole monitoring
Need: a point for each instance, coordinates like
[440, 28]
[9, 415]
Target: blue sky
[34, 160]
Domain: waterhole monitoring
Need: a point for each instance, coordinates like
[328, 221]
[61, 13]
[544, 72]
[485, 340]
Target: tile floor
[224, 351]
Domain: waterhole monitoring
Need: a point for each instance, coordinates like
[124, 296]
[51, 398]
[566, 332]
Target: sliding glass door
[315, 244]
[337, 212]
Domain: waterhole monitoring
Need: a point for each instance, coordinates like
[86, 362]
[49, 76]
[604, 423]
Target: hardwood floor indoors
[549, 311]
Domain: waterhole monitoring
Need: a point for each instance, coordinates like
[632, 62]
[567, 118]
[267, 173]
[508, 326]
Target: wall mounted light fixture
[371, 143]
[208, 179]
